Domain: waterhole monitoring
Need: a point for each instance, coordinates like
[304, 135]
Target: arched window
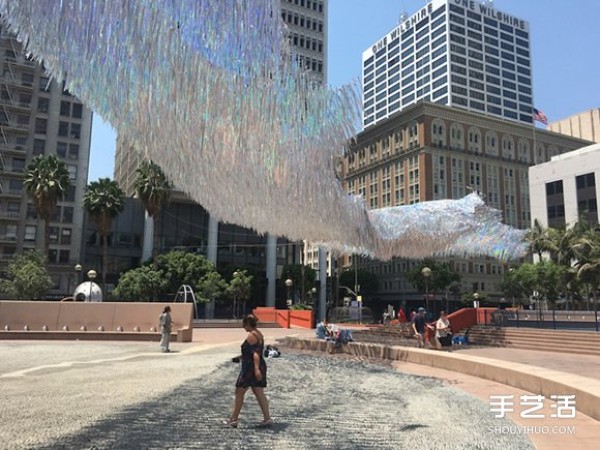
[457, 136]
[438, 133]
[508, 147]
[524, 151]
[491, 143]
[475, 140]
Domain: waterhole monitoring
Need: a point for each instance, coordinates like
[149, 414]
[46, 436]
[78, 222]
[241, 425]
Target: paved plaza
[119, 395]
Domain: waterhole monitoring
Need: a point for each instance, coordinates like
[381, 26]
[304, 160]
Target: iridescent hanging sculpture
[207, 89]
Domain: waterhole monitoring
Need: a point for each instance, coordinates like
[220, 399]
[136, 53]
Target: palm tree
[103, 200]
[154, 190]
[587, 251]
[538, 239]
[46, 182]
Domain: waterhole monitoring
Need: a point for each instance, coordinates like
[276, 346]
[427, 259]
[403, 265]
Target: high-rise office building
[460, 53]
[37, 116]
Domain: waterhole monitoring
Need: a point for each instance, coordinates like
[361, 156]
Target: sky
[565, 52]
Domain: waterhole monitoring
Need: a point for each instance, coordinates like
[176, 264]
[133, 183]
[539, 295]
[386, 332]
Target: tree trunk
[104, 261]
[155, 236]
[46, 243]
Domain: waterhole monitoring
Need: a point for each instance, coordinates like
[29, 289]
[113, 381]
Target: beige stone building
[584, 126]
[39, 117]
[430, 151]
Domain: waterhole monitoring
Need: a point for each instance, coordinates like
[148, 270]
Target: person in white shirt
[443, 334]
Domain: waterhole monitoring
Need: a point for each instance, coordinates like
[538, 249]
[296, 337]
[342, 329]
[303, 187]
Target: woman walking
[253, 374]
[165, 322]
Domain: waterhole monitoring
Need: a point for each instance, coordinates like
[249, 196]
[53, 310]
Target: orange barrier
[81, 320]
[301, 318]
[286, 318]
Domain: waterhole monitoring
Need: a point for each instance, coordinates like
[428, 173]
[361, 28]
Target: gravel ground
[128, 396]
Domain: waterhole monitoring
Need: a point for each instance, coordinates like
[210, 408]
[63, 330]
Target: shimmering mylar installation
[207, 89]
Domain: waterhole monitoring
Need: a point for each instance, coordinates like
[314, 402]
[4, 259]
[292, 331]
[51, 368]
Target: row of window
[310, 4]
[301, 21]
[489, 21]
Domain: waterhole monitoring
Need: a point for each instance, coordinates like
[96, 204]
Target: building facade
[584, 126]
[38, 116]
[566, 189]
[460, 53]
[430, 151]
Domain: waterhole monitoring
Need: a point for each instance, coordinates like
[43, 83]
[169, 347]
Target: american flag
[540, 116]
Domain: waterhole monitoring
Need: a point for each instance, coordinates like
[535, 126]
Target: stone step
[537, 340]
[231, 324]
[536, 331]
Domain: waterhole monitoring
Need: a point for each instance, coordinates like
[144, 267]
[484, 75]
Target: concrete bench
[93, 321]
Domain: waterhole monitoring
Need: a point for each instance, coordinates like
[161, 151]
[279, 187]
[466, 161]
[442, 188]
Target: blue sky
[565, 40]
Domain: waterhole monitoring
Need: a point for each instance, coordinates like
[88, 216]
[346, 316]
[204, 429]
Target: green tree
[103, 200]
[154, 191]
[538, 238]
[46, 182]
[211, 286]
[27, 276]
[239, 289]
[180, 268]
[440, 279]
[299, 273]
[142, 284]
[367, 281]
[587, 266]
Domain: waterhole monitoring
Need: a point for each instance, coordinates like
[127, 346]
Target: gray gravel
[136, 398]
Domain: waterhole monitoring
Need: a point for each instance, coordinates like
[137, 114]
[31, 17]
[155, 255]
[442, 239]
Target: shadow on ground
[317, 402]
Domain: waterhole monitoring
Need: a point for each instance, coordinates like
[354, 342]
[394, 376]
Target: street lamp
[475, 300]
[78, 268]
[235, 287]
[288, 284]
[91, 275]
[426, 273]
[313, 291]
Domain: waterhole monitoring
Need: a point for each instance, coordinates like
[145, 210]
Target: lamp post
[288, 284]
[426, 273]
[313, 291]
[475, 300]
[236, 274]
[78, 268]
[91, 275]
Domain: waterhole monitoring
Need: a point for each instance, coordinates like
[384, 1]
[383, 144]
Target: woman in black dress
[253, 374]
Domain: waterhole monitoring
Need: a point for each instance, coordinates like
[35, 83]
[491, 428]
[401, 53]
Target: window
[63, 256]
[73, 151]
[65, 108]
[30, 232]
[63, 129]
[40, 125]
[61, 149]
[39, 147]
[72, 172]
[67, 214]
[65, 236]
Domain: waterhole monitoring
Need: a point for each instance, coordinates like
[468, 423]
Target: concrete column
[271, 269]
[211, 255]
[322, 285]
[148, 242]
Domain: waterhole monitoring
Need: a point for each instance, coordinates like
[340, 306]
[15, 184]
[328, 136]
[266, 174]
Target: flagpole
[534, 145]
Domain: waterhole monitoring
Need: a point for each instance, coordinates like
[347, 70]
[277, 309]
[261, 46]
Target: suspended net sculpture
[209, 91]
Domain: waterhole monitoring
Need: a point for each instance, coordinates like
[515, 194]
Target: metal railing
[551, 319]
